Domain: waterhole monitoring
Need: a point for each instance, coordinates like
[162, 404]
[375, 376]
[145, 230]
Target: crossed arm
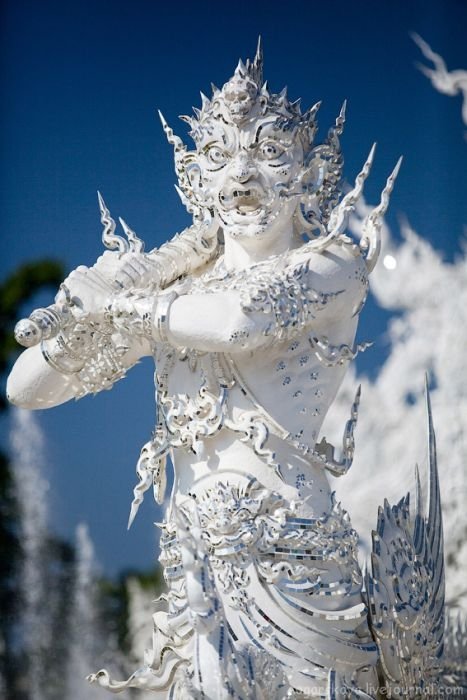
[214, 322]
[241, 319]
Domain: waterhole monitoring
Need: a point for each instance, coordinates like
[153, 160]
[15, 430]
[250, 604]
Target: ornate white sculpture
[251, 317]
[447, 82]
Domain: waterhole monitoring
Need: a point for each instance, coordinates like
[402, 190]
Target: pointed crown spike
[241, 69]
[172, 138]
[255, 67]
[205, 102]
[185, 118]
[109, 238]
[136, 245]
[102, 205]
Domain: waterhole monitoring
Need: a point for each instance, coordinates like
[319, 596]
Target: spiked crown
[244, 99]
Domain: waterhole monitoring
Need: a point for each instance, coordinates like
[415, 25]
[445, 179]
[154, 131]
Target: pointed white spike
[385, 194]
[340, 121]
[240, 70]
[163, 121]
[102, 205]
[172, 138]
[340, 214]
[312, 111]
[370, 244]
[418, 492]
[295, 105]
[259, 51]
[109, 238]
[205, 101]
[336, 130]
[351, 197]
[434, 516]
[343, 109]
[185, 118]
[184, 199]
[433, 487]
[133, 512]
[136, 245]
[257, 64]
[371, 156]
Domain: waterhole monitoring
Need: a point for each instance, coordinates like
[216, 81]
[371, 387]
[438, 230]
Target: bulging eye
[216, 155]
[271, 150]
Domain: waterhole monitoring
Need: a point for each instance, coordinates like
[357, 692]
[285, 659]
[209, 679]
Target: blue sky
[81, 83]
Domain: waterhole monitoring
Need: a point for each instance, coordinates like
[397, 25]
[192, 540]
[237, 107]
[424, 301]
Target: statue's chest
[291, 384]
[286, 387]
[192, 396]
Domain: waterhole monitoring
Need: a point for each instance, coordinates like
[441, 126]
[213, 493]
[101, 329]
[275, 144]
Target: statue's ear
[315, 171]
[189, 175]
[192, 171]
[191, 189]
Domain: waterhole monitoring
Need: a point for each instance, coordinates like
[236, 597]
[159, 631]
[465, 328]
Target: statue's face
[250, 176]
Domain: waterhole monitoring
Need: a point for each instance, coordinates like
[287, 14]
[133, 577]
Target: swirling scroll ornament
[183, 422]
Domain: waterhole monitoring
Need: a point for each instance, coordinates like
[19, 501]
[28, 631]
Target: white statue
[251, 317]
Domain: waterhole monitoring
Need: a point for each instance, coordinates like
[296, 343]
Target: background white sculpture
[447, 82]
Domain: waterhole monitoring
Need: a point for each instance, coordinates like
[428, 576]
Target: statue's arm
[86, 355]
[48, 375]
[215, 322]
[310, 294]
[35, 382]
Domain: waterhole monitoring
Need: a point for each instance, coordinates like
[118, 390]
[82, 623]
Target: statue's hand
[137, 271]
[127, 270]
[86, 292]
[131, 313]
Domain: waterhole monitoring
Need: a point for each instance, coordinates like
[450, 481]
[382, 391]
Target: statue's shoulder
[337, 263]
[339, 269]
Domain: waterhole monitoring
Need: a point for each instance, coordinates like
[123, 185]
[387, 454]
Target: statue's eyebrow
[207, 146]
[257, 135]
[260, 128]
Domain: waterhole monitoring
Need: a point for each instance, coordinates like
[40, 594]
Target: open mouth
[246, 200]
[247, 204]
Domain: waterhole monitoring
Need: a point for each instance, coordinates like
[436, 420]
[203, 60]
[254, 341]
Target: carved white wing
[405, 588]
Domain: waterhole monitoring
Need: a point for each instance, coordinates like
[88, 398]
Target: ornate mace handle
[41, 324]
[47, 322]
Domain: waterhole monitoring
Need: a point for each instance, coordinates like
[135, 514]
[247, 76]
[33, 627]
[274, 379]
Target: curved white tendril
[370, 244]
[109, 238]
[136, 245]
[340, 214]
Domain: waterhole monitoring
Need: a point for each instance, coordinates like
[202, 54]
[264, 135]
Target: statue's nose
[243, 168]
